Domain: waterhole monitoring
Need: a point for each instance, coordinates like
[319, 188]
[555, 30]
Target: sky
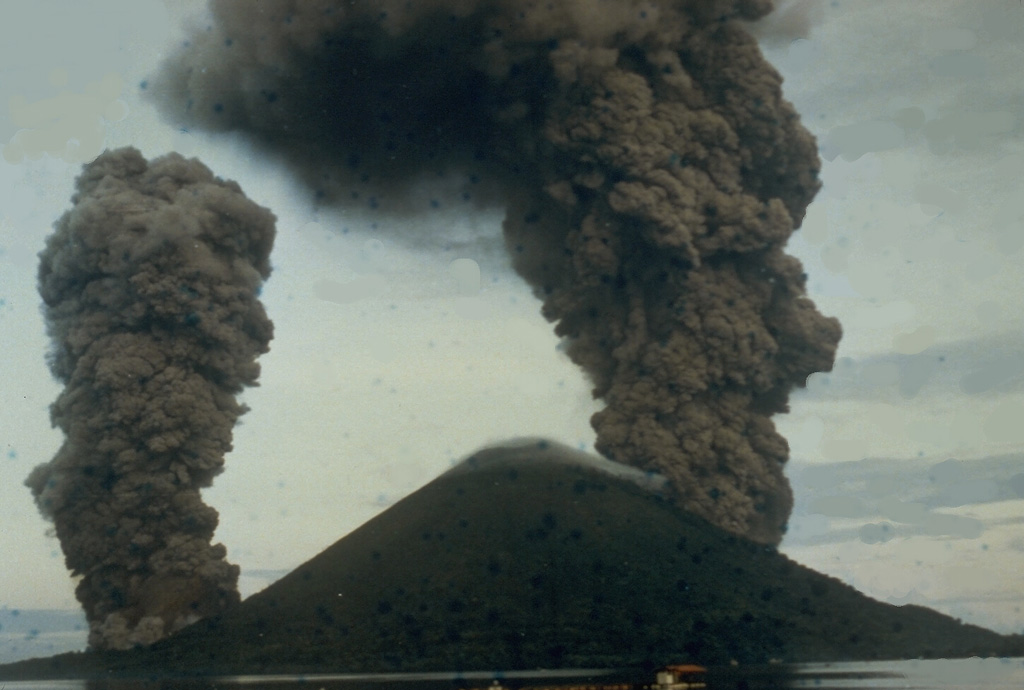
[392, 360]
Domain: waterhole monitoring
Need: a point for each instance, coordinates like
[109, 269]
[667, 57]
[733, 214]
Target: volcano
[532, 555]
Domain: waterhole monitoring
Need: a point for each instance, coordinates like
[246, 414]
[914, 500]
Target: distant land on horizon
[27, 633]
[532, 555]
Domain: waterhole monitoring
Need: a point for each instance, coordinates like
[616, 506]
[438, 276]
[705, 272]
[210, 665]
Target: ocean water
[956, 674]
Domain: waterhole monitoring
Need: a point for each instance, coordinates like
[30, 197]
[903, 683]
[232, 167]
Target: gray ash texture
[651, 171]
[150, 288]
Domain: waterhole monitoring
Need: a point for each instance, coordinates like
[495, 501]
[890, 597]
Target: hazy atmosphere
[404, 339]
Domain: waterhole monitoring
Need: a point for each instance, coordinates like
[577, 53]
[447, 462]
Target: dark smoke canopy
[651, 170]
[150, 290]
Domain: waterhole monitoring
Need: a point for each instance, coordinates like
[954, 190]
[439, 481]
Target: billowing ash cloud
[651, 170]
[150, 287]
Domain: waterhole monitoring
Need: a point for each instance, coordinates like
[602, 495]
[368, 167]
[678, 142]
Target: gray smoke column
[150, 288]
[651, 170]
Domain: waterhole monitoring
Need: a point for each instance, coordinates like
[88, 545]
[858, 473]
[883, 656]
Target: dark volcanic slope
[512, 563]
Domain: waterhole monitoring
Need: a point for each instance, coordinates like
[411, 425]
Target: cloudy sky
[391, 360]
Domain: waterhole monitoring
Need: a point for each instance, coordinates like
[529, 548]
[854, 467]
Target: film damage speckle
[652, 174]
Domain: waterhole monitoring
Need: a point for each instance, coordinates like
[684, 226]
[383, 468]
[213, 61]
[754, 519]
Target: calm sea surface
[984, 674]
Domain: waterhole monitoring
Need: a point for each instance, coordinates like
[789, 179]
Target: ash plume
[651, 171]
[150, 287]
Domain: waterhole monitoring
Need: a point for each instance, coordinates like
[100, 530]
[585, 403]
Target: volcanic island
[532, 555]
